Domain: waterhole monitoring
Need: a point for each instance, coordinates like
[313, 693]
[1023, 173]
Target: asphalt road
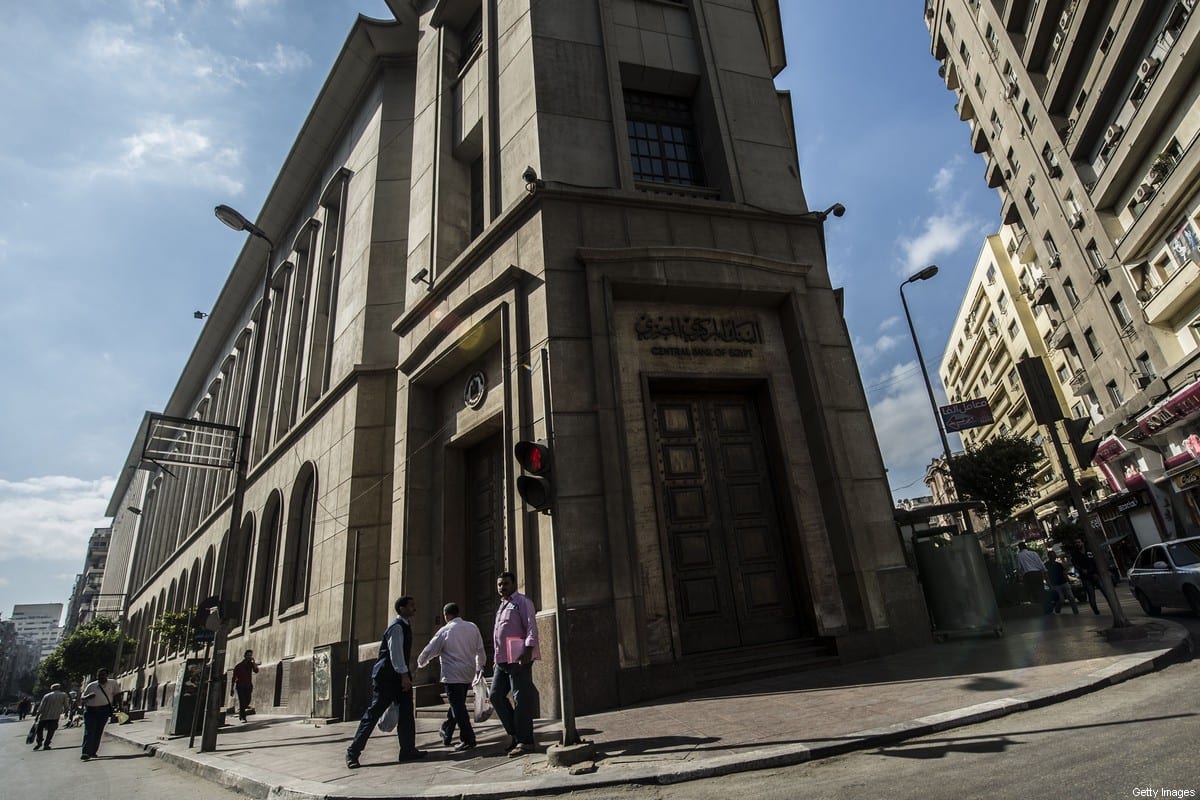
[120, 773]
[1125, 741]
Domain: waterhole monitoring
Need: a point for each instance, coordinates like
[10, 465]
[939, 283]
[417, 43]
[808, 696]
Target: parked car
[1167, 574]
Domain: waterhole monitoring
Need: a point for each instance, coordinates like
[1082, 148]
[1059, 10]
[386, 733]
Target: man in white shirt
[54, 704]
[459, 645]
[99, 702]
[1032, 572]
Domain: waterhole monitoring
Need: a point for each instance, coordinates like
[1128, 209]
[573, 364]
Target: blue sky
[126, 121]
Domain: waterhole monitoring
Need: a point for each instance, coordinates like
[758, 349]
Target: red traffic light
[534, 487]
[533, 457]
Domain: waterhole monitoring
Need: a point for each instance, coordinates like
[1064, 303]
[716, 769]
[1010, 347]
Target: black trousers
[458, 715]
[382, 696]
[243, 695]
[47, 727]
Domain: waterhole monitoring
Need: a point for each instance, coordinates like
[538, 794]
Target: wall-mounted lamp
[199, 314]
[133, 509]
[837, 209]
[422, 276]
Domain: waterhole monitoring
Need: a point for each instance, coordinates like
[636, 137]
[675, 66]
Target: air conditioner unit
[1143, 193]
[1076, 220]
[1113, 133]
[1056, 261]
[1059, 38]
[1064, 21]
[1055, 171]
[1148, 68]
[1010, 91]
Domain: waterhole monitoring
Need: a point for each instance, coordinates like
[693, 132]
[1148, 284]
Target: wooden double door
[728, 562]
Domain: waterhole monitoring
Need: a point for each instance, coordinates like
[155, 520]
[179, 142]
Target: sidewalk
[765, 723]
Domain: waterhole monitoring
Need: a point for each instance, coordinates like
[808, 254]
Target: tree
[90, 647]
[173, 630]
[1001, 472]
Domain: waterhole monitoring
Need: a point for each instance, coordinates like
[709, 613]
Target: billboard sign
[968, 414]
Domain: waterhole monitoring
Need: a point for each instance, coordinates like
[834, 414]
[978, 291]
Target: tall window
[1031, 201]
[293, 587]
[325, 305]
[1093, 344]
[1121, 311]
[1069, 291]
[264, 562]
[662, 139]
[1114, 393]
[1144, 366]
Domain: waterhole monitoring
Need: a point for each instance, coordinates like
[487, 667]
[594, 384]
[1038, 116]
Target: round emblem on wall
[474, 391]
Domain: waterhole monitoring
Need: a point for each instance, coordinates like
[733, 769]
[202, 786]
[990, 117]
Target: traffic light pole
[570, 736]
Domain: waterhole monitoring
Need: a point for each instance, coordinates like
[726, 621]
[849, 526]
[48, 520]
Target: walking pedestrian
[243, 682]
[53, 705]
[391, 682]
[1032, 572]
[459, 647]
[1060, 588]
[98, 707]
[24, 706]
[1089, 573]
[515, 639]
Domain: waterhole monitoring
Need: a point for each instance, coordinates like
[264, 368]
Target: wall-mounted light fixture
[422, 276]
[199, 314]
[837, 209]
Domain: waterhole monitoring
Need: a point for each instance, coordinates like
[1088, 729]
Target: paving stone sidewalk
[758, 724]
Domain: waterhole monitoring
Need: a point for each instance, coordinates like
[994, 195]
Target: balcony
[1179, 291]
[1060, 337]
[1080, 383]
[1042, 293]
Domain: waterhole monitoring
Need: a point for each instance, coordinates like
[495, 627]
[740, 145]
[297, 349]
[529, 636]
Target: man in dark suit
[391, 682]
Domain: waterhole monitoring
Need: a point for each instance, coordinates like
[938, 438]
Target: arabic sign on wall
[968, 414]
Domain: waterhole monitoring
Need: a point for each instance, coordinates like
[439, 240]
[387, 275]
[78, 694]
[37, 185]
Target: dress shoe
[447, 741]
[37, 747]
[352, 762]
[410, 755]
[461, 746]
[521, 749]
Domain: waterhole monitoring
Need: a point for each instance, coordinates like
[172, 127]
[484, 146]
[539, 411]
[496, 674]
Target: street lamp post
[237, 222]
[925, 275]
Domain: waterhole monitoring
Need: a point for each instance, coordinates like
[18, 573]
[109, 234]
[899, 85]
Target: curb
[267, 785]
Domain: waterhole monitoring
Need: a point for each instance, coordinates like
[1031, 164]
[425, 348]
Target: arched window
[265, 559]
[297, 553]
[205, 588]
[237, 571]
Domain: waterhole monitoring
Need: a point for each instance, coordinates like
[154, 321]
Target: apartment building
[582, 223]
[37, 625]
[1086, 116]
[87, 597]
[1006, 316]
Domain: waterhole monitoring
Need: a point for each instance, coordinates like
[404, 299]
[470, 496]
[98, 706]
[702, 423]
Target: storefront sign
[1109, 449]
[699, 337]
[968, 414]
[1187, 480]
[1173, 409]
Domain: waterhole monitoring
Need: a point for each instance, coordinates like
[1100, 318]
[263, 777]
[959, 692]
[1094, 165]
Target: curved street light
[238, 222]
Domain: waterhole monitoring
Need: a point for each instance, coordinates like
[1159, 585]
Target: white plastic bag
[390, 718]
[483, 705]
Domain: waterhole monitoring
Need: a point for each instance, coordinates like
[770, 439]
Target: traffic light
[535, 486]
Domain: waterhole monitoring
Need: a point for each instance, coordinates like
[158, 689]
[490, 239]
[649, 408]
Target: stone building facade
[581, 225]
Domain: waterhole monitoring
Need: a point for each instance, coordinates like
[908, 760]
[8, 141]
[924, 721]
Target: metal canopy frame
[190, 442]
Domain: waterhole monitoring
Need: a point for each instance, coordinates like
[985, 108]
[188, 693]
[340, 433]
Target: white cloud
[889, 323]
[282, 61]
[943, 179]
[869, 352]
[941, 234]
[51, 518]
[904, 423]
[177, 152]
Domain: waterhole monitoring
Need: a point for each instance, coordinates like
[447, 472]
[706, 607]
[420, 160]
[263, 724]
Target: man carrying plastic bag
[460, 647]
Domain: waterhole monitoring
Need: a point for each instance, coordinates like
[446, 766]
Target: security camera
[529, 175]
[838, 209]
[421, 275]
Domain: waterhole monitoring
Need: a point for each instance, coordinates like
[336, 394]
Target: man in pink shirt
[515, 639]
